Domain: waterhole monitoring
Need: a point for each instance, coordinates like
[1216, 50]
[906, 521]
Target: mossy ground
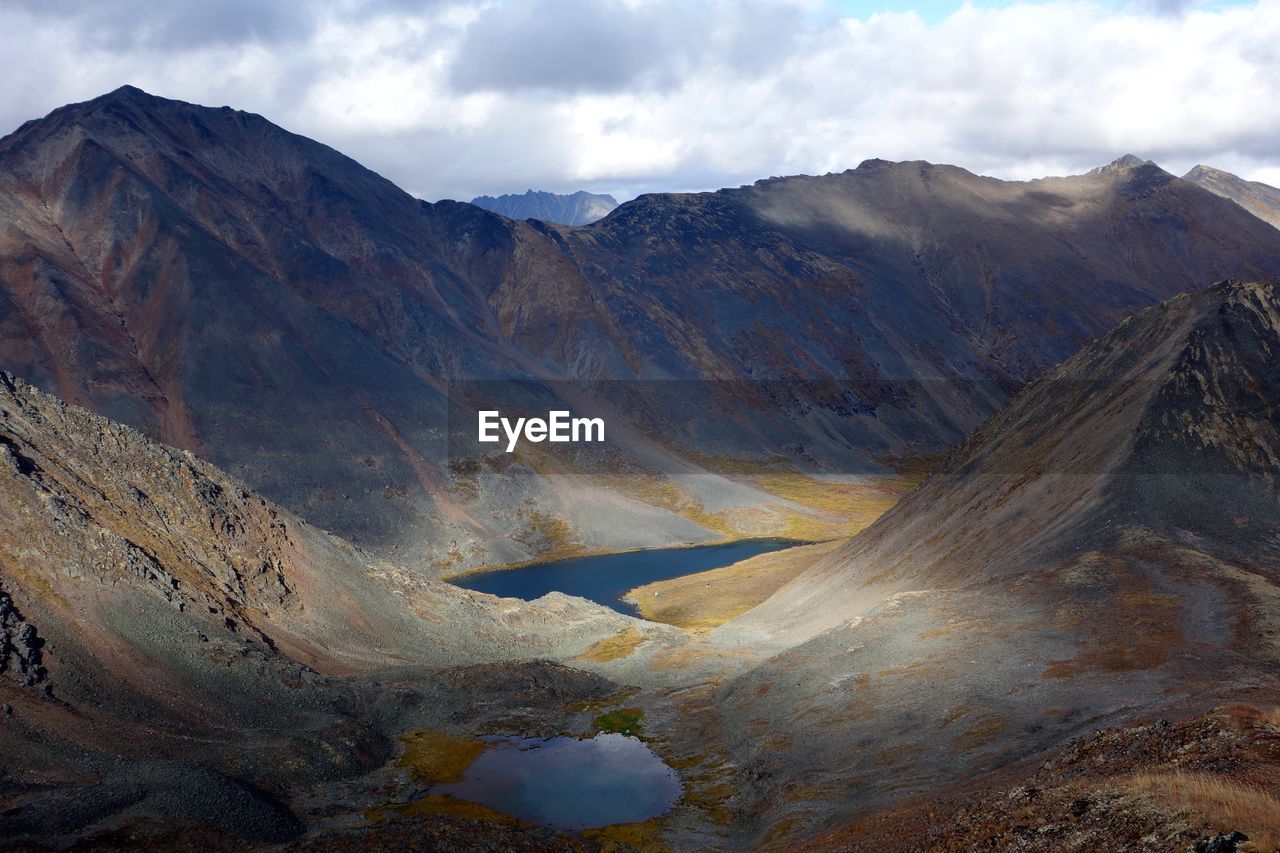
[644, 837]
[441, 804]
[623, 721]
[619, 646]
[840, 509]
[438, 757]
[700, 602]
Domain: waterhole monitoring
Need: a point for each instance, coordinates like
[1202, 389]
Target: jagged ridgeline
[275, 308]
[579, 208]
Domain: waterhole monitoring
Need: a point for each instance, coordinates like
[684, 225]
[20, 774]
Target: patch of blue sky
[935, 11]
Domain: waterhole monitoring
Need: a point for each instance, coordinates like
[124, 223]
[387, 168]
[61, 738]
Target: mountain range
[579, 208]
[224, 508]
[263, 301]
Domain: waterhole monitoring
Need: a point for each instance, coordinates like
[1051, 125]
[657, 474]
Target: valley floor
[706, 600]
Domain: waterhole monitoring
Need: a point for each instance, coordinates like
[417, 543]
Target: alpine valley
[1032, 430]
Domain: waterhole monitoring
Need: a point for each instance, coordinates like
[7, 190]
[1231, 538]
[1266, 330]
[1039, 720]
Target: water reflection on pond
[569, 783]
[606, 578]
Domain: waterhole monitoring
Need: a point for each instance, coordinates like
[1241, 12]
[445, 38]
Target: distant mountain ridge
[259, 299]
[579, 208]
[1260, 199]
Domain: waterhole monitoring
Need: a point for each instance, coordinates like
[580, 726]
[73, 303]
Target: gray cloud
[608, 46]
[1168, 7]
[454, 98]
[184, 24]
[124, 24]
[570, 46]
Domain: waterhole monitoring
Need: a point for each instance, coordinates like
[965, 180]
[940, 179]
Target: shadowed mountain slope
[580, 208]
[922, 271]
[1261, 200]
[265, 302]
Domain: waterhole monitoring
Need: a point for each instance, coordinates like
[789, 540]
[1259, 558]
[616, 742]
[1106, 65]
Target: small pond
[569, 783]
[605, 578]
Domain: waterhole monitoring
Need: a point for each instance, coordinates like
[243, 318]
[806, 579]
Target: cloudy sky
[453, 99]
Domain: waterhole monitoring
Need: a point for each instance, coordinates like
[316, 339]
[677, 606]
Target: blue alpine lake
[569, 783]
[606, 578]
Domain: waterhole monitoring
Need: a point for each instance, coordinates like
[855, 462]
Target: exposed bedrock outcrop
[20, 646]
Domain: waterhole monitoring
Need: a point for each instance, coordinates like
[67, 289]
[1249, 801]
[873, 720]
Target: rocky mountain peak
[874, 163]
[578, 208]
[130, 94]
[1207, 449]
[1124, 163]
[1260, 199]
[1200, 170]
